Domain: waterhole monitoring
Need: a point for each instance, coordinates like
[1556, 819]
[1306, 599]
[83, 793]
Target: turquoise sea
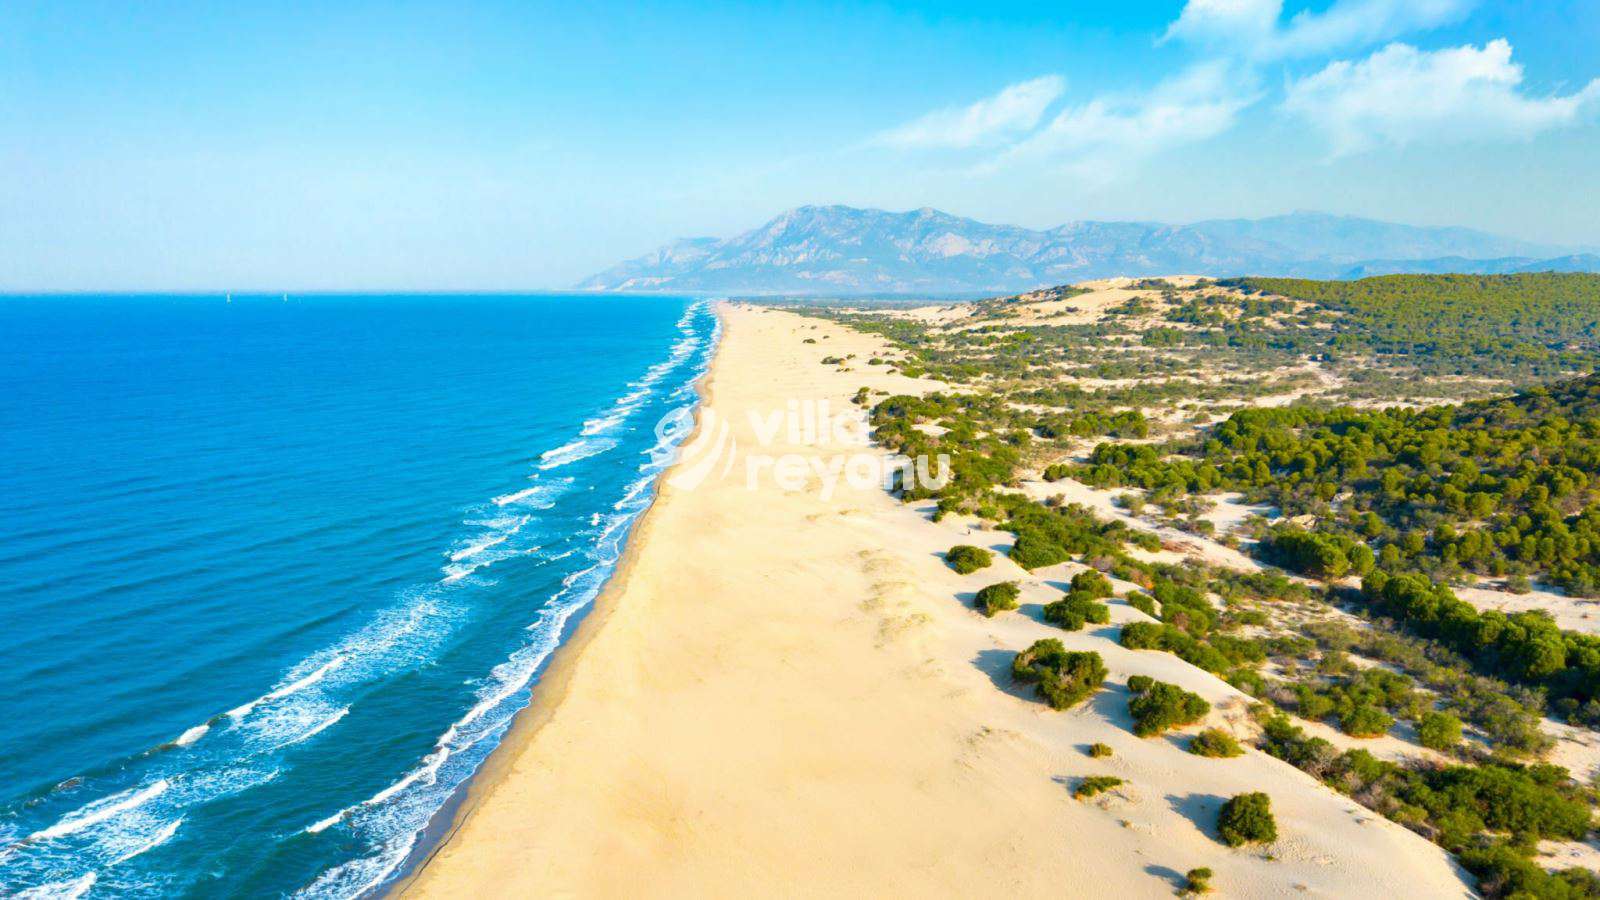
[277, 572]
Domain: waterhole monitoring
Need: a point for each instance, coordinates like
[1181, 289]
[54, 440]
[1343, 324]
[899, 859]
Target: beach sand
[785, 693]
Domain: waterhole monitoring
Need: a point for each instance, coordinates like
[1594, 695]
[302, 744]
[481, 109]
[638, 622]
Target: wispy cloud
[1401, 95]
[1252, 28]
[1013, 111]
[1110, 134]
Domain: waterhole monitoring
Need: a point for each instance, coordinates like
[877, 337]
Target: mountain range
[843, 250]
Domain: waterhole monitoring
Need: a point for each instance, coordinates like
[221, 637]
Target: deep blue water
[274, 575]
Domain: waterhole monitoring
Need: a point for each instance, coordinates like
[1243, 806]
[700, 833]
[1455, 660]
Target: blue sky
[417, 145]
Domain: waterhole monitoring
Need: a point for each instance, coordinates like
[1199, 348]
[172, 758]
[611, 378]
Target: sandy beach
[786, 692]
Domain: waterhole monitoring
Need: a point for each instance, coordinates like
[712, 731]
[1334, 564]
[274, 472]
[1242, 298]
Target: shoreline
[549, 688]
[787, 690]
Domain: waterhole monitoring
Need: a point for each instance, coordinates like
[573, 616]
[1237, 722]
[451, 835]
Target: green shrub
[1215, 742]
[1142, 603]
[966, 559]
[1072, 611]
[998, 598]
[1161, 706]
[1245, 819]
[1095, 784]
[1503, 872]
[1438, 730]
[1099, 750]
[1063, 678]
[1196, 881]
[1365, 721]
[1091, 584]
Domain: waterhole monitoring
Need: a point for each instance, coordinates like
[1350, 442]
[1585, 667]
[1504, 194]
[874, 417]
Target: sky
[507, 146]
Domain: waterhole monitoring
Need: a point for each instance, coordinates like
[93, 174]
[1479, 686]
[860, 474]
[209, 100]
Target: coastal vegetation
[1196, 881]
[1062, 678]
[1375, 447]
[1095, 784]
[1215, 743]
[966, 559]
[997, 598]
[1157, 706]
[1247, 819]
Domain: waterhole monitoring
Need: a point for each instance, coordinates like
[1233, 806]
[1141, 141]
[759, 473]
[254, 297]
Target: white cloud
[1251, 27]
[1106, 136]
[1013, 111]
[1401, 95]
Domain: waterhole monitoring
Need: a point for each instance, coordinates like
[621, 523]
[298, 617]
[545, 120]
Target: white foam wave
[574, 450]
[192, 735]
[293, 687]
[102, 810]
[474, 549]
[457, 571]
[540, 496]
[61, 890]
[161, 836]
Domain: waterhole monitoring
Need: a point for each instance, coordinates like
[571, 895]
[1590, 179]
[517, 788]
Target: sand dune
[787, 694]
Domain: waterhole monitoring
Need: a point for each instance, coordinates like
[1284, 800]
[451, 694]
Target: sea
[276, 572]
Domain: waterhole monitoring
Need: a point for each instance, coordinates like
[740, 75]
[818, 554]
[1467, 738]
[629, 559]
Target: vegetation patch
[966, 559]
[1214, 742]
[1095, 784]
[1157, 706]
[997, 598]
[1247, 819]
[1063, 678]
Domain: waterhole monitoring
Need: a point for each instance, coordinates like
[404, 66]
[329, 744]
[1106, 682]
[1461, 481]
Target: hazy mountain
[844, 250]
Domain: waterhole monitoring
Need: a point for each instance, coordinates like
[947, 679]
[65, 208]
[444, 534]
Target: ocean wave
[457, 571]
[540, 496]
[161, 836]
[574, 450]
[101, 811]
[61, 890]
[320, 727]
[192, 735]
[293, 687]
[474, 549]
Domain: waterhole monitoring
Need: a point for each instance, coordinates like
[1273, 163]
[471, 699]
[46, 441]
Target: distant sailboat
[286, 298]
[230, 298]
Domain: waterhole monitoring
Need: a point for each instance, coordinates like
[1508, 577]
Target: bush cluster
[1247, 819]
[1095, 784]
[966, 559]
[1215, 742]
[997, 598]
[1157, 706]
[1062, 678]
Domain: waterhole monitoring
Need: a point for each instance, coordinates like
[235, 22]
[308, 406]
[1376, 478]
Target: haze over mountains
[831, 250]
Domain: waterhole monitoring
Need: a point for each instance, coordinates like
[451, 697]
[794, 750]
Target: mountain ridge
[838, 249]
